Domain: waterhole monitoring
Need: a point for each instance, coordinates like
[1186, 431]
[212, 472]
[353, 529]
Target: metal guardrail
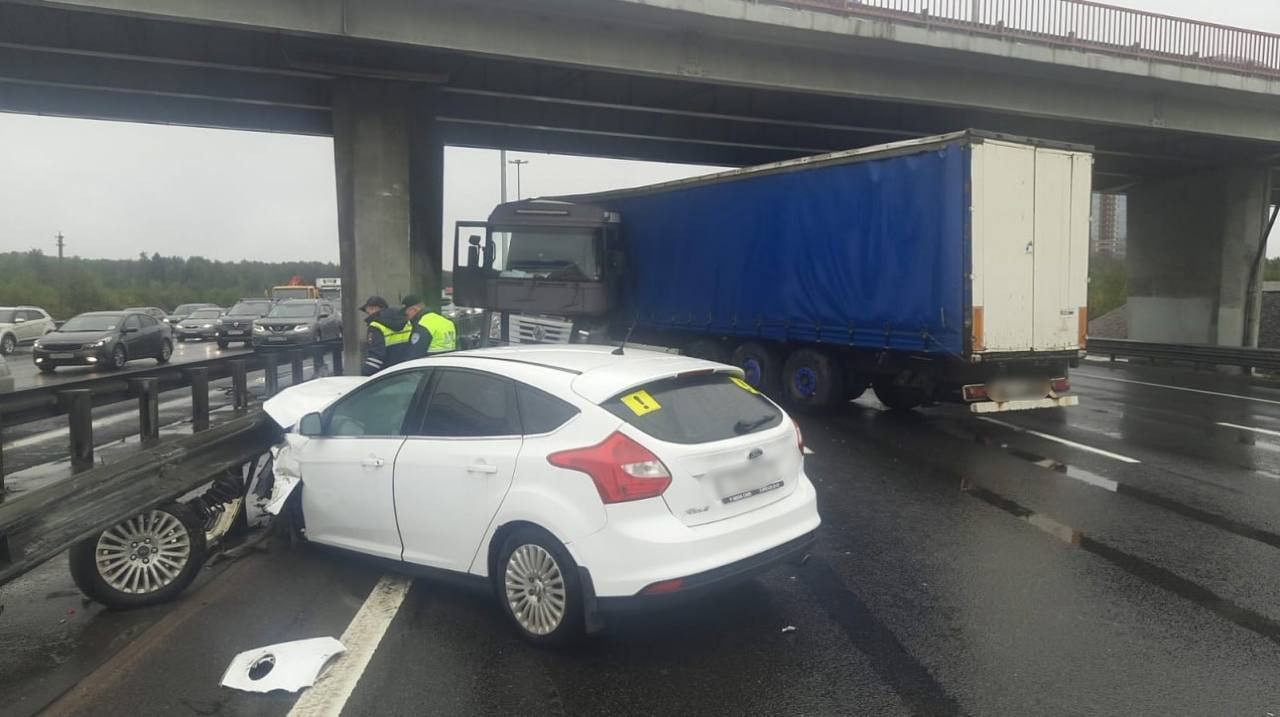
[77, 399]
[1244, 357]
[38, 525]
[1081, 24]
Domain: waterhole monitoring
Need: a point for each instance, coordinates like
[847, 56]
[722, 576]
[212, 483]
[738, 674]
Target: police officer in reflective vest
[387, 338]
[431, 332]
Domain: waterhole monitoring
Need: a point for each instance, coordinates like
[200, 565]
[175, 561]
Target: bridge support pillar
[1192, 250]
[389, 166]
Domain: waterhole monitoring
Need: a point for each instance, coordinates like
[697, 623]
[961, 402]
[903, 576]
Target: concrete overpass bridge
[1184, 115]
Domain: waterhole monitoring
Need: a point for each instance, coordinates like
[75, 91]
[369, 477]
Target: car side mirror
[19, 320]
[311, 425]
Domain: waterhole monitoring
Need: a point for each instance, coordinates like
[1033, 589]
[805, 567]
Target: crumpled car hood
[291, 404]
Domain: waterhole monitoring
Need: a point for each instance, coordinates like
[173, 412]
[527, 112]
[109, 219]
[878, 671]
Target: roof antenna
[625, 339]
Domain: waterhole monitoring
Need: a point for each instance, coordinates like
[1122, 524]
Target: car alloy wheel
[118, 358]
[166, 352]
[143, 554]
[535, 589]
[8, 345]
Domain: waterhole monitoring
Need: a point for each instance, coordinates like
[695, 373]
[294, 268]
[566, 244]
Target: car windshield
[292, 311]
[556, 253]
[250, 308]
[186, 308]
[205, 314]
[92, 322]
[695, 409]
[7, 315]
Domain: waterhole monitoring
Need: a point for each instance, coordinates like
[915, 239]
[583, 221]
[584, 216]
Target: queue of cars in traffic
[111, 339]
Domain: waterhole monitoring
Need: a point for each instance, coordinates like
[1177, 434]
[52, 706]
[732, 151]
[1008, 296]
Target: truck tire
[813, 381]
[707, 349]
[761, 366]
[121, 569]
[897, 398]
[854, 386]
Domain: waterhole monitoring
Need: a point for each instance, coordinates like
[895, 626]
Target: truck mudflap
[1024, 405]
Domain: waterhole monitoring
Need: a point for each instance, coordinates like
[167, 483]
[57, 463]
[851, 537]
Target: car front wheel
[539, 588]
[118, 358]
[8, 344]
[143, 560]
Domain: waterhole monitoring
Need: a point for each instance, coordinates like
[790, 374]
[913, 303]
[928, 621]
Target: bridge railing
[1082, 24]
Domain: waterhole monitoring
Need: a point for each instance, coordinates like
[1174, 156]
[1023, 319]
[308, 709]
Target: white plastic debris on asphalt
[288, 666]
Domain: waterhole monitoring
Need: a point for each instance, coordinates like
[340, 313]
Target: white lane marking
[1063, 441]
[1177, 388]
[97, 422]
[1264, 431]
[330, 693]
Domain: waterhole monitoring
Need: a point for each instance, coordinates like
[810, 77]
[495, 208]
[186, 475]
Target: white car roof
[593, 372]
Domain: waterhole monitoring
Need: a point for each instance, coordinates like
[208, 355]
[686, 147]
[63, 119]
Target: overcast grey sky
[116, 189]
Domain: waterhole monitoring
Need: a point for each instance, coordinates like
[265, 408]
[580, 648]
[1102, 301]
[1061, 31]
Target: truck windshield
[299, 292]
[554, 253]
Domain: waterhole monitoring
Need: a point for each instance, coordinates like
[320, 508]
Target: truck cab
[541, 258]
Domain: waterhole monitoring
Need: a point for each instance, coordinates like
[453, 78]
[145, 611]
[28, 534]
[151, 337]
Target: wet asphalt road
[964, 567]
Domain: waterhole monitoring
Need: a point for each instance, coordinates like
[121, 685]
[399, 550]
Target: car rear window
[695, 409]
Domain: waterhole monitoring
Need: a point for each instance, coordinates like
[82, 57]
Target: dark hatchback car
[237, 324]
[297, 322]
[104, 338]
[183, 311]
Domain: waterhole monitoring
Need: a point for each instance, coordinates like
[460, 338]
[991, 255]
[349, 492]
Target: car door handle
[373, 462]
[481, 468]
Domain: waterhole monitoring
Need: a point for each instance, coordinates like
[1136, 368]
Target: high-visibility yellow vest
[390, 336]
[444, 336]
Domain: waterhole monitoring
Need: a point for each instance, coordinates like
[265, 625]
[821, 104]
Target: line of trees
[73, 285]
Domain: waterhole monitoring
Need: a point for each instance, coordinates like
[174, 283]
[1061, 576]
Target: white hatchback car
[573, 480]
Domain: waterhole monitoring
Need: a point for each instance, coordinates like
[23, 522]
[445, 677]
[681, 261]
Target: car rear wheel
[143, 560]
[8, 344]
[118, 358]
[166, 352]
[538, 586]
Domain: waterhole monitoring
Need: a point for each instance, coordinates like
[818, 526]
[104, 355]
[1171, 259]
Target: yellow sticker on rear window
[743, 384]
[640, 402]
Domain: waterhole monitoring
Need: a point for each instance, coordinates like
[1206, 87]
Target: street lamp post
[518, 163]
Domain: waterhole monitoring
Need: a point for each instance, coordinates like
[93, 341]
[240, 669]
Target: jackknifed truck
[951, 268]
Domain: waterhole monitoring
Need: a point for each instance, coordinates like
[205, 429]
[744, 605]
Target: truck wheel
[897, 398]
[761, 366]
[706, 349]
[854, 386]
[813, 381]
[143, 560]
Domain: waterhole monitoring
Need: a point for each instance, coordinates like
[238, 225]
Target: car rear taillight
[1060, 385]
[975, 392]
[622, 469]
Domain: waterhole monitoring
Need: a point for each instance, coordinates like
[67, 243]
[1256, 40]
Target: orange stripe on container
[979, 339]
